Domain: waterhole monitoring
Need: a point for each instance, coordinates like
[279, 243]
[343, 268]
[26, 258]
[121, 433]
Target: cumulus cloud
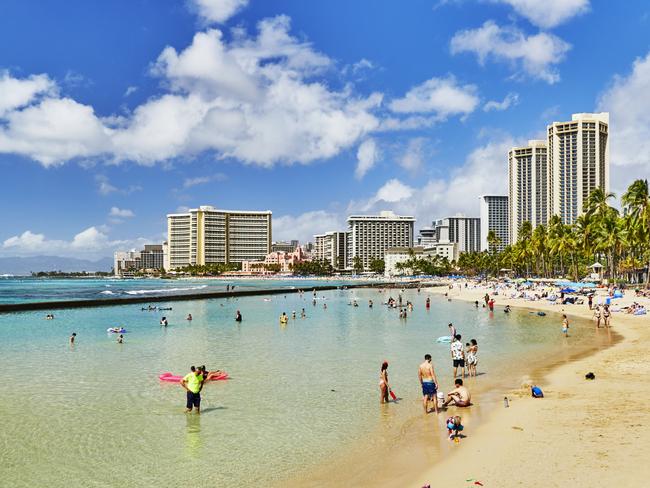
[217, 11]
[413, 157]
[304, 226]
[628, 101]
[533, 55]
[484, 171]
[548, 13]
[16, 93]
[121, 212]
[92, 242]
[441, 96]
[510, 100]
[104, 187]
[367, 156]
[253, 99]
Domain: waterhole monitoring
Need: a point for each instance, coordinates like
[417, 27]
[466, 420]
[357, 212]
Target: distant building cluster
[546, 177]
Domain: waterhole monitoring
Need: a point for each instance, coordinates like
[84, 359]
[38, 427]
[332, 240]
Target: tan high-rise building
[578, 154]
[556, 176]
[207, 235]
[333, 248]
[528, 186]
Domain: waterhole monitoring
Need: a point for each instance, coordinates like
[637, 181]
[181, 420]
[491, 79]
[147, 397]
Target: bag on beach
[537, 392]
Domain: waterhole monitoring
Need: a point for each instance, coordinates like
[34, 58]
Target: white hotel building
[371, 235]
[207, 235]
[494, 216]
[555, 176]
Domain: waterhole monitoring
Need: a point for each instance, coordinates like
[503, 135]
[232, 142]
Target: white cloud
[304, 226]
[92, 242]
[628, 101]
[104, 187]
[441, 96]
[413, 157]
[510, 100]
[253, 99]
[535, 55]
[130, 90]
[218, 11]
[121, 212]
[484, 171]
[202, 180]
[367, 155]
[16, 93]
[548, 13]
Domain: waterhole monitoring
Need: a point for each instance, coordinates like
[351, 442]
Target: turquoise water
[20, 290]
[96, 414]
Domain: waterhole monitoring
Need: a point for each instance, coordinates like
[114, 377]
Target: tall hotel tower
[207, 235]
[556, 176]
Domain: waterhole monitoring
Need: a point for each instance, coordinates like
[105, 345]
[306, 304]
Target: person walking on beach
[606, 315]
[192, 383]
[597, 316]
[458, 355]
[429, 383]
[383, 383]
[565, 325]
[591, 301]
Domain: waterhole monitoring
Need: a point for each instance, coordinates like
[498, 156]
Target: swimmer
[120, 339]
[507, 309]
[189, 316]
[369, 303]
[324, 306]
[293, 314]
[283, 318]
[72, 338]
[303, 315]
[238, 317]
[210, 375]
[163, 321]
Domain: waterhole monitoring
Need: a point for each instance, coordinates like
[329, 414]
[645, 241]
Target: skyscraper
[494, 216]
[528, 186]
[556, 176]
[463, 231]
[333, 248]
[206, 235]
[578, 161]
[371, 235]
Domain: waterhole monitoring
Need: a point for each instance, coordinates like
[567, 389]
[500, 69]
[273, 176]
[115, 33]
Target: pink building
[275, 262]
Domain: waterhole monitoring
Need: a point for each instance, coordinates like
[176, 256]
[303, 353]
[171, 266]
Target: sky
[113, 114]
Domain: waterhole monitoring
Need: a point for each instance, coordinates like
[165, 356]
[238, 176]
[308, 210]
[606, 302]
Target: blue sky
[113, 114]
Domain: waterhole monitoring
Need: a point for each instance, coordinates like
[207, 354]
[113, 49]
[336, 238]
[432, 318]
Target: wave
[107, 292]
[165, 290]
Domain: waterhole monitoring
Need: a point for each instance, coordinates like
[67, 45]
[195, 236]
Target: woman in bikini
[383, 383]
[472, 357]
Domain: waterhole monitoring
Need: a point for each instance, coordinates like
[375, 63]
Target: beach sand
[583, 433]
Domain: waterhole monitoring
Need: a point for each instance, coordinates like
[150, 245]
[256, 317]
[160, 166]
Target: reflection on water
[310, 387]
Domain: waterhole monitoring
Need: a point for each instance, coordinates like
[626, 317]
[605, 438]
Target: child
[454, 427]
[565, 325]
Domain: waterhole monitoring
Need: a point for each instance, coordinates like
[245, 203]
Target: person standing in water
[72, 338]
[120, 339]
[383, 383]
[192, 383]
[238, 317]
[427, 304]
[458, 355]
[565, 325]
[429, 383]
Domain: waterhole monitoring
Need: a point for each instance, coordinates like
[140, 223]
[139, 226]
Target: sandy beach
[583, 433]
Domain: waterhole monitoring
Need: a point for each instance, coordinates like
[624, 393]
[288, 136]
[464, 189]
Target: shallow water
[96, 414]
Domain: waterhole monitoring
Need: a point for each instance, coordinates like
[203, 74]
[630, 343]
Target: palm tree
[637, 200]
[493, 241]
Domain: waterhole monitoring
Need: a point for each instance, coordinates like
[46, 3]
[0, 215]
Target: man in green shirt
[192, 382]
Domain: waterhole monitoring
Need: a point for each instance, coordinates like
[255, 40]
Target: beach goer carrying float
[383, 383]
[192, 383]
[429, 383]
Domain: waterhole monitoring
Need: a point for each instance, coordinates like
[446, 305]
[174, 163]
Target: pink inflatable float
[171, 378]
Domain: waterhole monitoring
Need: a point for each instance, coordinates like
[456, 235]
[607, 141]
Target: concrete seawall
[111, 302]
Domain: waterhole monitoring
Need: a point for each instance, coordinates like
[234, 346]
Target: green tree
[357, 265]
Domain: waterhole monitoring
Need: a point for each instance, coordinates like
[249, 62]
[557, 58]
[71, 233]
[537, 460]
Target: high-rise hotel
[555, 176]
[207, 235]
[371, 235]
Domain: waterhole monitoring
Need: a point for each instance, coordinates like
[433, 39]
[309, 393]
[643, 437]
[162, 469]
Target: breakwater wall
[111, 302]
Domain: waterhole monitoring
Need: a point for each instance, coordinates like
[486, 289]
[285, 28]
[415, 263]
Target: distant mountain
[20, 266]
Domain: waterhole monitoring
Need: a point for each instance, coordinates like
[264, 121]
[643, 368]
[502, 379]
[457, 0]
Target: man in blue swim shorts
[429, 383]
[192, 382]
